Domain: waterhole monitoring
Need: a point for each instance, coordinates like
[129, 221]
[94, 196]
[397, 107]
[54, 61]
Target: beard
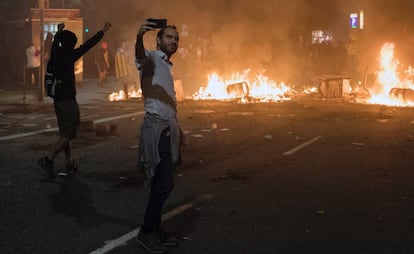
[169, 49]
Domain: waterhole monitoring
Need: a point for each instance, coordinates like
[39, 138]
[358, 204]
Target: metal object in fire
[238, 90]
[403, 94]
[332, 86]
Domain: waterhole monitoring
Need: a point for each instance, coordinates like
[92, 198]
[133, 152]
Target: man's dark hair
[68, 39]
[161, 32]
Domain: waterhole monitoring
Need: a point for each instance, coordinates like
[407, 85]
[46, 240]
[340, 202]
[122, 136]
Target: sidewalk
[88, 92]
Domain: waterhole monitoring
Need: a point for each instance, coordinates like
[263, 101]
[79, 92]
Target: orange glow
[390, 81]
[260, 89]
[119, 96]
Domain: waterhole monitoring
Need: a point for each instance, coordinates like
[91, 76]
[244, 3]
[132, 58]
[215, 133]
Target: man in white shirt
[32, 65]
[159, 145]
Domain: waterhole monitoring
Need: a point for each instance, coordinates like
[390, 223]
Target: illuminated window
[320, 36]
[49, 28]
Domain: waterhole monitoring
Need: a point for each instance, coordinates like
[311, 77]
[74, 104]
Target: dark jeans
[162, 185]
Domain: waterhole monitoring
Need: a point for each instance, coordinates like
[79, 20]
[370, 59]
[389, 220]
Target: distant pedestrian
[160, 137]
[102, 62]
[32, 65]
[61, 63]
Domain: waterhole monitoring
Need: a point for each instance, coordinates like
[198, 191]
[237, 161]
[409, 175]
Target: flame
[119, 96]
[260, 89]
[390, 82]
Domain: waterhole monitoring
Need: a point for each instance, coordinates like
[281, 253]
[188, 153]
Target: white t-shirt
[33, 59]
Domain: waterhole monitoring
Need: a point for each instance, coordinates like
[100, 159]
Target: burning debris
[122, 95]
[391, 89]
[261, 89]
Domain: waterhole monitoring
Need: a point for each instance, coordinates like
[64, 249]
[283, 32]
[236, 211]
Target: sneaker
[167, 239]
[151, 243]
[72, 168]
[47, 165]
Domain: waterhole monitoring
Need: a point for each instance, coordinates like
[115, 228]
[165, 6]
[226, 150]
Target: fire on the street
[392, 90]
[121, 95]
[392, 87]
[260, 89]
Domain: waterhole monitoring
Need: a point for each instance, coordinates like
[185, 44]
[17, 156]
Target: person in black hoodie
[62, 64]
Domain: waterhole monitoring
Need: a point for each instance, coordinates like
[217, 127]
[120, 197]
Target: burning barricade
[261, 89]
[394, 87]
[388, 89]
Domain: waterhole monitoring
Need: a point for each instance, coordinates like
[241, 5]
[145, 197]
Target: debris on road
[107, 130]
[358, 143]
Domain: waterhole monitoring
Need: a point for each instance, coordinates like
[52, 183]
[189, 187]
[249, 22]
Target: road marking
[21, 135]
[50, 118]
[118, 117]
[294, 150]
[88, 116]
[125, 238]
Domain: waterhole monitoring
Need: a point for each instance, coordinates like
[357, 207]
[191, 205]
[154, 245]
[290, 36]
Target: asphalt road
[303, 176]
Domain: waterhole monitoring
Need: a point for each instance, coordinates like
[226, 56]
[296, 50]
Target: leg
[68, 153]
[103, 75]
[71, 164]
[99, 73]
[162, 186]
[36, 74]
[28, 77]
[46, 163]
[60, 145]
[68, 117]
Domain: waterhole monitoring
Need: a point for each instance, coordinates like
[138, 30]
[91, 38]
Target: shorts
[101, 67]
[68, 118]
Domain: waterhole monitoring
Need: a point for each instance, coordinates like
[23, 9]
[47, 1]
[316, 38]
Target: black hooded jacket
[62, 61]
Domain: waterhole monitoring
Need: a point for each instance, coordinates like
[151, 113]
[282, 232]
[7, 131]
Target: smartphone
[159, 23]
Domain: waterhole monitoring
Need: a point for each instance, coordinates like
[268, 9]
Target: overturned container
[238, 90]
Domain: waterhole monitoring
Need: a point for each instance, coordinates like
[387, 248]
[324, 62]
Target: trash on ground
[382, 120]
[107, 130]
[358, 143]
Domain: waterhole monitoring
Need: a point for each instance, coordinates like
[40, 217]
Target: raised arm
[139, 44]
[79, 52]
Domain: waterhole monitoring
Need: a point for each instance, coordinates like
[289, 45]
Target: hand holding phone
[158, 23]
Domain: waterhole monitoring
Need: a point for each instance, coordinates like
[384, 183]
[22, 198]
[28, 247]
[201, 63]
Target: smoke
[234, 35]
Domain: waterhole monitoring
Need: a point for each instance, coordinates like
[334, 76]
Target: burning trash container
[333, 86]
[238, 90]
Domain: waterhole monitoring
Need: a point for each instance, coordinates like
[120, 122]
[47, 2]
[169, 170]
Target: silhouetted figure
[102, 62]
[62, 64]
